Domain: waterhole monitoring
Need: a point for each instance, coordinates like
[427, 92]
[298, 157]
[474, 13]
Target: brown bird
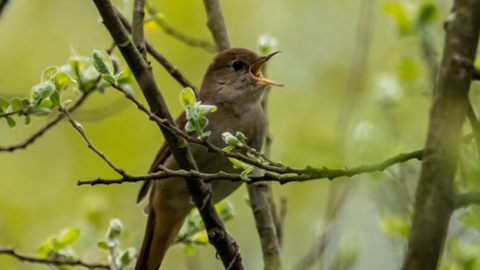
[234, 83]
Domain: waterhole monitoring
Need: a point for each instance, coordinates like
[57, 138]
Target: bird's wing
[162, 155]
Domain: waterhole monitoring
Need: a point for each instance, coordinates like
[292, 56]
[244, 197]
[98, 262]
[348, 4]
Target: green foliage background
[38, 192]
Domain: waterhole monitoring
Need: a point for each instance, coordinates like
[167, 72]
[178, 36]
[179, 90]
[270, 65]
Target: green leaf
[397, 11]
[38, 111]
[70, 236]
[204, 109]
[188, 249]
[41, 91]
[27, 120]
[3, 105]
[102, 62]
[64, 267]
[126, 76]
[102, 245]
[200, 238]
[16, 104]
[127, 256]
[77, 63]
[267, 44]
[244, 174]
[231, 140]
[114, 230]
[427, 14]
[189, 126]
[66, 102]
[407, 69]
[55, 98]
[187, 97]
[44, 250]
[46, 103]
[240, 136]
[49, 73]
[109, 78]
[62, 79]
[11, 122]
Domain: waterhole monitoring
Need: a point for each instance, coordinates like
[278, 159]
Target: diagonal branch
[174, 72]
[172, 31]
[216, 24]
[224, 244]
[138, 29]
[25, 258]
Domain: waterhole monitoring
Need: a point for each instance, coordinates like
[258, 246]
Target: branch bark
[216, 24]
[224, 244]
[465, 199]
[434, 202]
[24, 258]
[137, 29]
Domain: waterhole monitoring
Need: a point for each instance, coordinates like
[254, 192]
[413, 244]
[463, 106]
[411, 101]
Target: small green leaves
[70, 236]
[102, 62]
[40, 92]
[188, 249]
[49, 73]
[427, 14]
[3, 105]
[11, 122]
[16, 104]
[62, 79]
[126, 257]
[196, 119]
[27, 120]
[114, 231]
[233, 141]
[267, 44]
[102, 245]
[38, 111]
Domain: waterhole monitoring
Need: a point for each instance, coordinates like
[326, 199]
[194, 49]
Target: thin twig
[19, 112]
[267, 176]
[216, 24]
[179, 35]
[3, 4]
[113, 264]
[24, 258]
[80, 130]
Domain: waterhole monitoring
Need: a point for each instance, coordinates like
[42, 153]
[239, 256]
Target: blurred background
[357, 91]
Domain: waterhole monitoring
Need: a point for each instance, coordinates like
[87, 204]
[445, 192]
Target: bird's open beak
[256, 70]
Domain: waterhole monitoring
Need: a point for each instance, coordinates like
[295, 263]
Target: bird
[234, 84]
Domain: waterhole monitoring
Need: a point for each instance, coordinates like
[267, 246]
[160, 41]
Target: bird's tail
[162, 227]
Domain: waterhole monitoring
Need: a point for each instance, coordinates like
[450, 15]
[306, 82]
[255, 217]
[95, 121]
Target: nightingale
[234, 83]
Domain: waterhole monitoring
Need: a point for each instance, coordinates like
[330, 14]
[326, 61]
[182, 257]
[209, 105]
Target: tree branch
[137, 29]
[465, 199]
[24, 258]
[224, 244]
[434, 199]
[175, 73]
[216, 24]
[3, 4]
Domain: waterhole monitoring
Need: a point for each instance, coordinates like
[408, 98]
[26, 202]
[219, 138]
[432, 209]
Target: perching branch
[224, 244]
[465, 199]
[434, 199]
[216, 24]
[137, 29]
[24, 258]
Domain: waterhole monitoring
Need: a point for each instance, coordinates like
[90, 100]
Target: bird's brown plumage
[236, 93]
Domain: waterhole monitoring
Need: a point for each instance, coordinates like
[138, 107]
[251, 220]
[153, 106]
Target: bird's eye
[237, 65]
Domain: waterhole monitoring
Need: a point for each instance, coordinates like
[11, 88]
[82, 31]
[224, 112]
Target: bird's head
[235, 75]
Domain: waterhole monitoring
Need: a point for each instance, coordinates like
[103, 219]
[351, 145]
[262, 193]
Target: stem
[137, 29]
[216, 24]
